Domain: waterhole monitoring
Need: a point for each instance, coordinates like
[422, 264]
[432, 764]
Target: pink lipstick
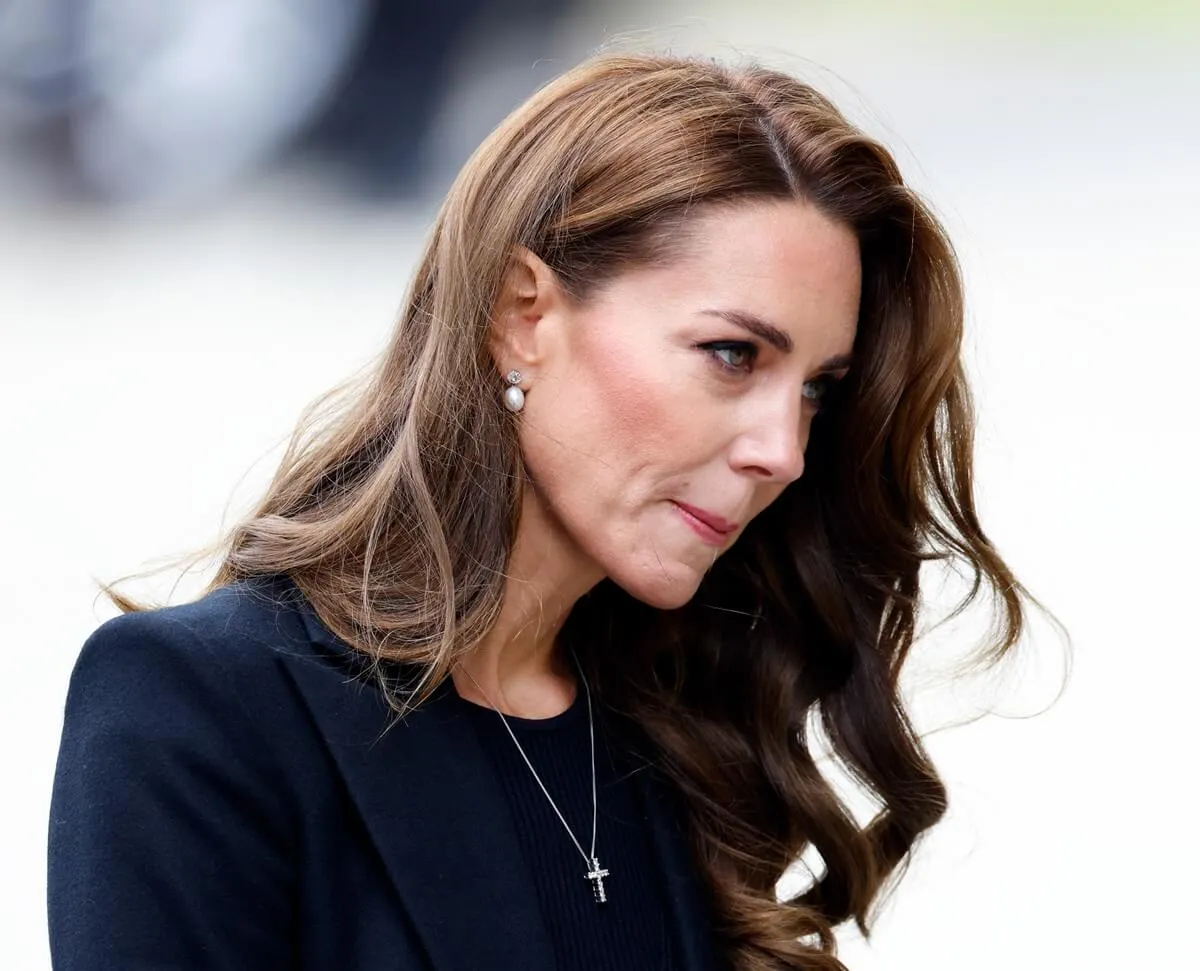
[710, 527]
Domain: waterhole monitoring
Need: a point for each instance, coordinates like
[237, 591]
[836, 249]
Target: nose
[772, 446]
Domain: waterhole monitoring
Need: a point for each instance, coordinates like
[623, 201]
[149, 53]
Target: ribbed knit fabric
[630, 932]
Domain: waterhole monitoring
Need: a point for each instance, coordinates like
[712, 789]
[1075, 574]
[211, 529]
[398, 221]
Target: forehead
[784, 261]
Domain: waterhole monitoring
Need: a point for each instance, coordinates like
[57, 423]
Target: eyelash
[825, 381]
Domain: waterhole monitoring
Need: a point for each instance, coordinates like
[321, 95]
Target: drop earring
[514, 397]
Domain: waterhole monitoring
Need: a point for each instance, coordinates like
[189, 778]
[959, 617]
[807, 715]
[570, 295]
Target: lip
[707, 525]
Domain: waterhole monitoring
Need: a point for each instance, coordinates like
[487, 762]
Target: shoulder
[182, 781]
[238, 620]
[189, 705]
[220, 652]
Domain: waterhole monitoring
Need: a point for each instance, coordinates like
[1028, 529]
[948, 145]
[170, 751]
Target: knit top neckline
[564, 719]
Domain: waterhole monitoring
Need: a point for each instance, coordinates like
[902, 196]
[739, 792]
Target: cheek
[617, 428]
[634, 412]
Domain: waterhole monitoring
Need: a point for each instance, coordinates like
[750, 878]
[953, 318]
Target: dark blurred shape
[386, 106]
[135, 101]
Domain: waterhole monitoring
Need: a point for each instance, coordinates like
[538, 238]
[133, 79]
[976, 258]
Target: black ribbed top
[630, 931]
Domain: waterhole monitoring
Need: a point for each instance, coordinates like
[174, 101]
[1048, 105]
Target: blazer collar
[418, 786]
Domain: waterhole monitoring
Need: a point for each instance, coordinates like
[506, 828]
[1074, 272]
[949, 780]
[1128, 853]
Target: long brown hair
[396, 504]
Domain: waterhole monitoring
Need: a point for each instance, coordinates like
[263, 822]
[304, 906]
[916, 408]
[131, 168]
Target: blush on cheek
[637, 408]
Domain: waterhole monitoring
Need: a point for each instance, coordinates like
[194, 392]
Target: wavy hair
[396, 504]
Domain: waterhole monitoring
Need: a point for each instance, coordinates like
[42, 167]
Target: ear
[530, 295]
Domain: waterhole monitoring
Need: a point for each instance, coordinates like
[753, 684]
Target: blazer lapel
[425, 793]
[428, 801]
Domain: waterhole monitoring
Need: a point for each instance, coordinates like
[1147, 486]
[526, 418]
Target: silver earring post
[514, 397]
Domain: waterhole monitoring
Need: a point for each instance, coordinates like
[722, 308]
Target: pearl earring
[514, 397]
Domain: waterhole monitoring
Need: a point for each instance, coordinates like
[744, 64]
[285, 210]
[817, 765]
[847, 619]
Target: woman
[518, 662]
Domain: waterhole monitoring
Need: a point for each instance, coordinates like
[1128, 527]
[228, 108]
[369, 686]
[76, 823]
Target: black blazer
[226, 799]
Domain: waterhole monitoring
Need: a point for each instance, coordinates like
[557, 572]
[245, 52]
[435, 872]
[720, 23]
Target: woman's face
[672, 406]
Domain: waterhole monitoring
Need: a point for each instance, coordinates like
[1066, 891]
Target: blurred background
[209, 211]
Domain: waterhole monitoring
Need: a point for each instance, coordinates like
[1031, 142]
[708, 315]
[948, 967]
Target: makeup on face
[713, 529]
[673, 406]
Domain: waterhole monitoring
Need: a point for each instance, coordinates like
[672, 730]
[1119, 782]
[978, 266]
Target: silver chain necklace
[595, 872]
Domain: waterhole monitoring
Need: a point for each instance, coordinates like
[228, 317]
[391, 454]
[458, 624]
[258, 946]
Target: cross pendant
[597, 875]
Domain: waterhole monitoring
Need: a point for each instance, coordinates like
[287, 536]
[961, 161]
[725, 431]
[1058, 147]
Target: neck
[519, 666]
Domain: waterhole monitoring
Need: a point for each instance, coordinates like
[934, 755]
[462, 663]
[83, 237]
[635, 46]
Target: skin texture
[625, 415]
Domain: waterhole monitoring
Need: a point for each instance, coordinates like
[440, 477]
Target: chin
[665, 592]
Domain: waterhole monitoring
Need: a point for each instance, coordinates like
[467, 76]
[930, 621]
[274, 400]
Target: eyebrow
[773, 335]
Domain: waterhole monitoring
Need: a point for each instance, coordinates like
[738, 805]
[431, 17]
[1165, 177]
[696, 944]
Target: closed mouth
[719, 523]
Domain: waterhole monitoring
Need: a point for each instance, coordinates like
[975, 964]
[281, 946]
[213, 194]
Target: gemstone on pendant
[597, 874]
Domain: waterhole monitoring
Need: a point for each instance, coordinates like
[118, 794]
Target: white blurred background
[198, 238]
